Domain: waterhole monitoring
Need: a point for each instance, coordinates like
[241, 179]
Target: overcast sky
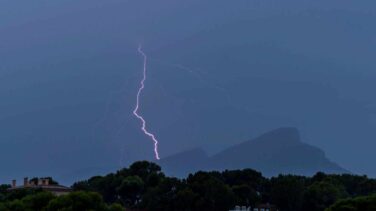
[220, 72]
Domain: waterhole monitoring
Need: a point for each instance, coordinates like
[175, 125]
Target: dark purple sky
[221, 72]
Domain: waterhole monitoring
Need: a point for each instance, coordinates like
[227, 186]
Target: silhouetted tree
[77, 201]
[130, 190]
[288, 192]
[320, 195]
[363, 203]
[163, 196]
[37, 201]
[213, 193]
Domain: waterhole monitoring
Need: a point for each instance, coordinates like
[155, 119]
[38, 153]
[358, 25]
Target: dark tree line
[144, 186]
[39, 200]
[363, 203]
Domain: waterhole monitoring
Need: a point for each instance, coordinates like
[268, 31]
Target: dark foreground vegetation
[38, 200]
[143, 186]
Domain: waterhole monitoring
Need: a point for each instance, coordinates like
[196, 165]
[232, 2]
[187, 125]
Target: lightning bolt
[135, 111]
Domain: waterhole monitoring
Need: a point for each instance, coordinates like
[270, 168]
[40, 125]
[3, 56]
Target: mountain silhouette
[278, 151]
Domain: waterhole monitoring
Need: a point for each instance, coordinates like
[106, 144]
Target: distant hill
[275, 152]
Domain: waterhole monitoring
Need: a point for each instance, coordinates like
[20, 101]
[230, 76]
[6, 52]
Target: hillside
[275, 152]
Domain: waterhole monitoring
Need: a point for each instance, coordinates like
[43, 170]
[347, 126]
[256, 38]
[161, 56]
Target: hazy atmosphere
[220, 73]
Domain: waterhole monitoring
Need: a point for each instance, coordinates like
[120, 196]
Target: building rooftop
[43, 183]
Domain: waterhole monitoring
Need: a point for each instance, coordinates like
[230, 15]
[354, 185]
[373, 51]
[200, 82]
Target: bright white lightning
[135, 111]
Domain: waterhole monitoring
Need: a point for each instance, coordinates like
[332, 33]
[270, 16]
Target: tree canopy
[143, 186]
